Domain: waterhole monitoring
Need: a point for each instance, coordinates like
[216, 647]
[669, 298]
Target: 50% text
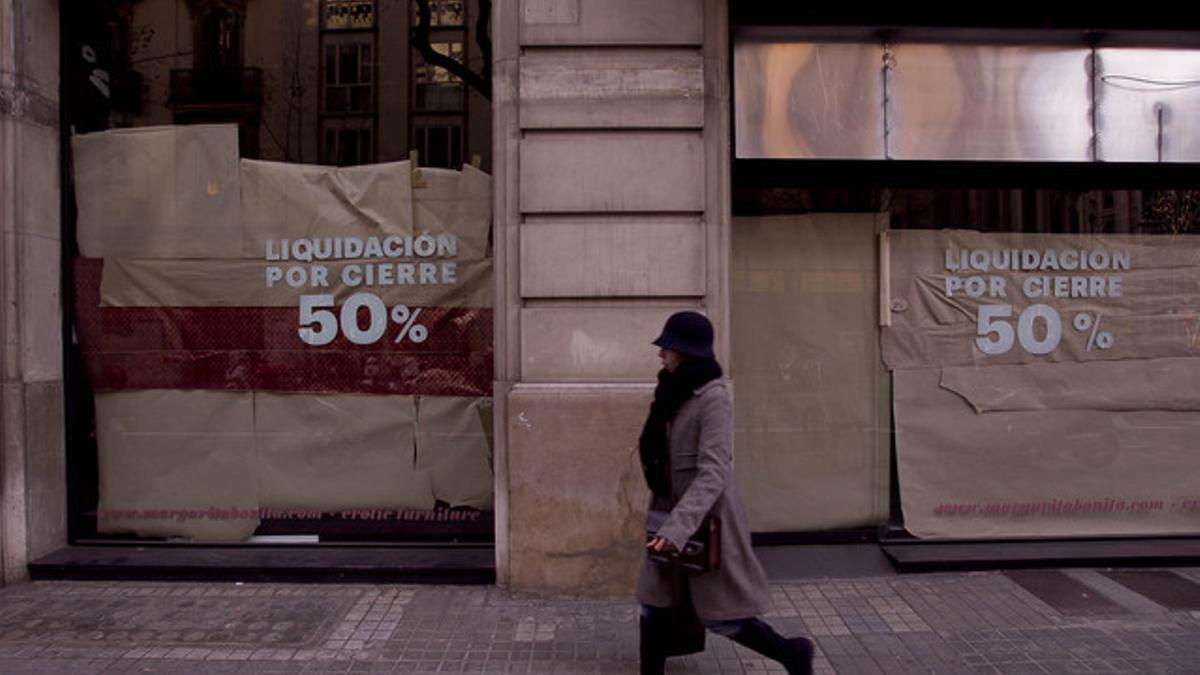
[320, 325]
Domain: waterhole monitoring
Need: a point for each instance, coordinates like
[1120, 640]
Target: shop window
[1035, 309]
[226, 405]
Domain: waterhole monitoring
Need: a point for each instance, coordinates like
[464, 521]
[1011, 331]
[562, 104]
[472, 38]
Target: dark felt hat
[689, 333]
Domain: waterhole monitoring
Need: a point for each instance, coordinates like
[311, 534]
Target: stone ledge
[445, 564]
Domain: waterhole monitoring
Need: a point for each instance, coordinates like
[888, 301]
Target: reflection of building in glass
[445, 13]
[346, 14]
[439, 110]
[348, 112]
[316, 81]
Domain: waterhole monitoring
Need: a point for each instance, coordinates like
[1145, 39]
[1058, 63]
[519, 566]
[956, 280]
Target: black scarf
[673, 390]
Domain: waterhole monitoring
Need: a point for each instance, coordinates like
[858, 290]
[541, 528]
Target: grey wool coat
[702, 481]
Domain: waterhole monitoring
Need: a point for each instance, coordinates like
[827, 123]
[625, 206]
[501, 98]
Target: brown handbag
[701, 553]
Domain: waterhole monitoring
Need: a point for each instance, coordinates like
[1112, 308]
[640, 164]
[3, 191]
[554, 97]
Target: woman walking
[686, 449]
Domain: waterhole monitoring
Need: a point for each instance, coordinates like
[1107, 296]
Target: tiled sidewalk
[941, 623]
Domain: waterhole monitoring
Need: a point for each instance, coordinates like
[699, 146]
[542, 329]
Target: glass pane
[349, 14]
[451, 12]
[438, 146]
[348, 64]
[442, 13]
[347, 147]
[439, 97]
[335, 99]
[366, 151]
[1031, 336]
[436, 87]
[430, 73]
[360, 99]
[224, 407]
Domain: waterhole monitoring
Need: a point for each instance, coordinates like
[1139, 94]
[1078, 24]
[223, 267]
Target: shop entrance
[812, 414]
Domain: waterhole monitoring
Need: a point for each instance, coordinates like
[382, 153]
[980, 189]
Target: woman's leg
[795, 654]
[654, 631]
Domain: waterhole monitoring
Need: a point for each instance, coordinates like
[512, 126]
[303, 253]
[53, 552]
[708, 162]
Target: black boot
[795, 654]
[652, 640]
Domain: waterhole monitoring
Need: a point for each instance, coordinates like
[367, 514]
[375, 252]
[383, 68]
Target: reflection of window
[442, 13]
[346, 142]
[347, 133]
[220, 48]
[349, 14]
[440, 145]
[348, 77]
[436, 87]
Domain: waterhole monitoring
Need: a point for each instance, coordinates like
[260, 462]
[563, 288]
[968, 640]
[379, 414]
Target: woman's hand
[661, 545]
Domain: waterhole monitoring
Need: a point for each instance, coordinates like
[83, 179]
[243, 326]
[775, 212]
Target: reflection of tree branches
[1175, 211]
[480, 82]
[483, 38]
[288, 99]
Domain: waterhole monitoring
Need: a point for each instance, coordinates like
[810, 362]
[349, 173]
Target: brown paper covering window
[1029, 471]
[811, 427]
[1088, 440]
[182, 227]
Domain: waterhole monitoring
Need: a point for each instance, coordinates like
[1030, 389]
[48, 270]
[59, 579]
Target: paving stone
[938, 623]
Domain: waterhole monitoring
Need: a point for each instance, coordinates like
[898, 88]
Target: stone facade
[612, 212]
[32, 459]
